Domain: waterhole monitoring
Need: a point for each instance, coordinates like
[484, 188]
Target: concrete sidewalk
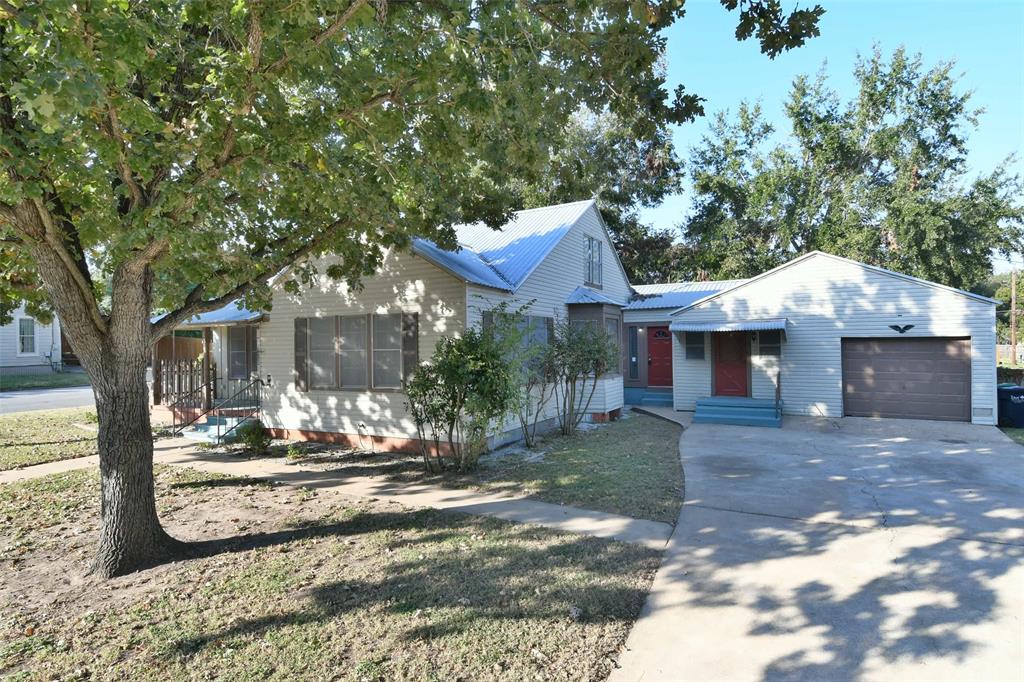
[521, 509]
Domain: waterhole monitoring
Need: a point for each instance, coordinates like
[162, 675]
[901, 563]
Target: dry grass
[293, 584]
[28, 438]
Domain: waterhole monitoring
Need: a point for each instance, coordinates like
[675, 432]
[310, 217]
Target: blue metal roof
[464, 264]
[738, 326]
[232, 313]
[676, 294]
[505, 257]
[588, 295]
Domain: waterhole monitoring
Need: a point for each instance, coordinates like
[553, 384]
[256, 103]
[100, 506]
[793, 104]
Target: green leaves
[881, 178]
[240, 135]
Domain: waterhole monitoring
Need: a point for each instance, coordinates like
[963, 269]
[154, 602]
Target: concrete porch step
[738, 411]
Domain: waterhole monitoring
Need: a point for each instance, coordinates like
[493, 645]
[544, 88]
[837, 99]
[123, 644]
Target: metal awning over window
[778, 323]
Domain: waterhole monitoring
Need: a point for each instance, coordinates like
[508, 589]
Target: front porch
[207, 366]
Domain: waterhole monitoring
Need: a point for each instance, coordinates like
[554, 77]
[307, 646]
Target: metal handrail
[253, 409]
[189, 397]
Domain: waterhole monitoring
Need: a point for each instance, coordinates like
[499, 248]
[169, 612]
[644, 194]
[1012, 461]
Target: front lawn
[1014, 433]
[28, 438]
[296, 584]
[628, 467]
[21, 382]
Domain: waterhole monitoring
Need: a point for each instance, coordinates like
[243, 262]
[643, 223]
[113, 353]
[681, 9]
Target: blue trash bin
[1011, 406]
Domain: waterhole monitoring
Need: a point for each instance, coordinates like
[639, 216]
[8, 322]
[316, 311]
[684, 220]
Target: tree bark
[131, 537]
[114, 357]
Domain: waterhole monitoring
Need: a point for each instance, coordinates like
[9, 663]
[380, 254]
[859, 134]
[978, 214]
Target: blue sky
[985, 37]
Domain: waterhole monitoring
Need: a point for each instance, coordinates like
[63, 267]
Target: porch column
[207, 366]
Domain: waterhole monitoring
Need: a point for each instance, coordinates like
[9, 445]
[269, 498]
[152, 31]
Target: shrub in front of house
[254, 436]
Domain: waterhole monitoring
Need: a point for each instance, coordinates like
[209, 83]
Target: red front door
[732, 350]
[659, 356]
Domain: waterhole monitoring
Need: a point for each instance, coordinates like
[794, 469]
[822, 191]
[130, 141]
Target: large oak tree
[177, 154]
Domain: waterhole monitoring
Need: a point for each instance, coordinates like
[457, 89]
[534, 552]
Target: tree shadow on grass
[429, 561]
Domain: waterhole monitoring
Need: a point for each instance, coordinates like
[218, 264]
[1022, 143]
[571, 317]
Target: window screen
[387, 351]
[770, 343]
[354, 344]
[694, 345]
[593, 265]
[26, 335]
[322, 367]
[238, 352]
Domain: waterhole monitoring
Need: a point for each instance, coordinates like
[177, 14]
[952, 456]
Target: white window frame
[373, 351]
[35, 340]
[593, 265]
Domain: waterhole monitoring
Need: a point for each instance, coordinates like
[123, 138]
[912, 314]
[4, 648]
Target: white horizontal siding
[826, 299]
[691, 379]
[47, 337]
[405, 283]
[546, 289]
[648, 316]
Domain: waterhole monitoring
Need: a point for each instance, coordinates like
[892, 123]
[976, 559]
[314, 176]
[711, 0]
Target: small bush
[294, 452]
[254, 436]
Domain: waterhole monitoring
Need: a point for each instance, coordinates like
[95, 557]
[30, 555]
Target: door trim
[715, 336]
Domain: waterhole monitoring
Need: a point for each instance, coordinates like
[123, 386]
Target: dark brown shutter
[549, 322]
[301, 359]
[410, 344]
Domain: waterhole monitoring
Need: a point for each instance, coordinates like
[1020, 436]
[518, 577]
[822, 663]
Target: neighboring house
[829, 336]
[28, 346]
[820, 335]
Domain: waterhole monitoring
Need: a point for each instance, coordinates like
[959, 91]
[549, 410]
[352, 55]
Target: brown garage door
[907, 378]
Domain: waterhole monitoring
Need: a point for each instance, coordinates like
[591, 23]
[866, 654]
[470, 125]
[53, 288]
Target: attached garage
[824, 336]
[913, 378]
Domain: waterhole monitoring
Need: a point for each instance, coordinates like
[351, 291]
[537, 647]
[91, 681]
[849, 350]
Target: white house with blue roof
[820, 335]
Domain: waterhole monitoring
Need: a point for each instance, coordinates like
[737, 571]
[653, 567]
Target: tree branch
[52, 239]
[113, 129]
[322, 36]
[194, 304]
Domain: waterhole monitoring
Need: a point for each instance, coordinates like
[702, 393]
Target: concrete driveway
[46, 399]
[840, 550]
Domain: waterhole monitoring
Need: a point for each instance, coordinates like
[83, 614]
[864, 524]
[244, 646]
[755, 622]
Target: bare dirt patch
[290, 583]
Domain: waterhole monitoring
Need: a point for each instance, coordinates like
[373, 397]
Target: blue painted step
[738, 411]
[206, 430]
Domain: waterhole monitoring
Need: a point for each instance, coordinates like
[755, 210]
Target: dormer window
[592, 272]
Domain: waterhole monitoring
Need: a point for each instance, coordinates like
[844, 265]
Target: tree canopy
[881, 177]
[178, 154]
[599, 157]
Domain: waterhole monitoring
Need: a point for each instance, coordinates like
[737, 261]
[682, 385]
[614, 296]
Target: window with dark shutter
[301, 342]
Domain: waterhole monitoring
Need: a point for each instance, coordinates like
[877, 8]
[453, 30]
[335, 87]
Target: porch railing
[190, 406]
[244, 403]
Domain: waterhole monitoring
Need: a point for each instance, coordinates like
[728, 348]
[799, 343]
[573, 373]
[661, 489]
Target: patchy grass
[1016, 434]
[308, 584]
[28, 438]
[22, 382]
[629, 467]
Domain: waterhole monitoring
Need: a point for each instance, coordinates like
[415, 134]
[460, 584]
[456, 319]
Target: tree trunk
[131, 537]
[114, 356]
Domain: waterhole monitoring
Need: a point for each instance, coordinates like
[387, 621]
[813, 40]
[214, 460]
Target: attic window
[592, 273]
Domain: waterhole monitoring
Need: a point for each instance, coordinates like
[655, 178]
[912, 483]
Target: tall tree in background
[185, 151]
[599, 157]
[881, 178]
